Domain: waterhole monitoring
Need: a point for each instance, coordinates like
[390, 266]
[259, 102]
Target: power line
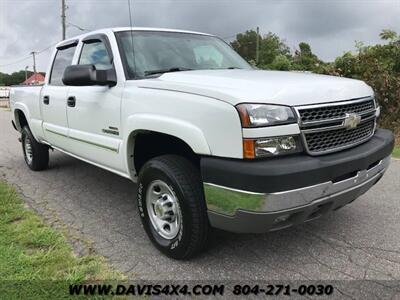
[15, 62]
[78, 27]
[47, 48]
[29, 56]
[63, 24]
[42, 50]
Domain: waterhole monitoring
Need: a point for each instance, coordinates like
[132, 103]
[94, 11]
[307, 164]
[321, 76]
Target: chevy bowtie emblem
[352, 120]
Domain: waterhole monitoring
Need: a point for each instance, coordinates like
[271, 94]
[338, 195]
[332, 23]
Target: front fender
[187, 132]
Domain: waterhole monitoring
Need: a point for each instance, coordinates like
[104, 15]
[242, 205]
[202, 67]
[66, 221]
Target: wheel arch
[146, 130]
[21, 118]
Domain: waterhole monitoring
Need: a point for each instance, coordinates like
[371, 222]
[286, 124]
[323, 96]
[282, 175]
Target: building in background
[4, 96]
[4, 92]
[34, 79]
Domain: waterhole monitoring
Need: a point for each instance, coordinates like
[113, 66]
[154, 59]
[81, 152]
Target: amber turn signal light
[244, 115]
[248, 149]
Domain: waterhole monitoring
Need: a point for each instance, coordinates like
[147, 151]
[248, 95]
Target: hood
[257, 86]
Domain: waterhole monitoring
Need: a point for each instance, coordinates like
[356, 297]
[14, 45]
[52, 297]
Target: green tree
[379, 66]
[14, 78]
[305, 60]
[389, 35]
[245, 44]
[270, 47]
[281, 63]
[346, 65]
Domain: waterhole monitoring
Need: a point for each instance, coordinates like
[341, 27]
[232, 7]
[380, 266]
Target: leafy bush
[379, 67]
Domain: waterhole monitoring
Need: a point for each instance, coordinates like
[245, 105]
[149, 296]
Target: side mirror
[83, 75]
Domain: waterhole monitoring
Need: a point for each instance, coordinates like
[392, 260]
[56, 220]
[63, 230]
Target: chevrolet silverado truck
[209, 140]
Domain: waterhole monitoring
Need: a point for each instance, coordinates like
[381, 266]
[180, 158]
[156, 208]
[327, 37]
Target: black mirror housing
[84, 75]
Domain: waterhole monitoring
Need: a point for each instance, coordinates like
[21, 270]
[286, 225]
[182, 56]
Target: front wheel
[172, 207]
[36, 155]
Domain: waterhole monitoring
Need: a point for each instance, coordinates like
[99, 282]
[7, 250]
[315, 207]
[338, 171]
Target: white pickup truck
[210, 141]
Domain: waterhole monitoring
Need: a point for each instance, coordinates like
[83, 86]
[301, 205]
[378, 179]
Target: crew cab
[209, 140]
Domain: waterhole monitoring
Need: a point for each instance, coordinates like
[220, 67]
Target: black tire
[183, 178]
[39, 159]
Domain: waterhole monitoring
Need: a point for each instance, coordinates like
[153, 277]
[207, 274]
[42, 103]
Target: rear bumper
[260, 196]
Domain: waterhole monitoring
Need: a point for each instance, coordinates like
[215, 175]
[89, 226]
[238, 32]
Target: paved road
[360, 241]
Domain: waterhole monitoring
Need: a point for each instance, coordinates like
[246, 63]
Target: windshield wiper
[176, 69]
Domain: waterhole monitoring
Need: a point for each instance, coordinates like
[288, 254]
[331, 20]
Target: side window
[95, 53]
[62, 60]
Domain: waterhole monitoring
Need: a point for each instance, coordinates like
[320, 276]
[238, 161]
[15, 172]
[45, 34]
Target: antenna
[133, 48]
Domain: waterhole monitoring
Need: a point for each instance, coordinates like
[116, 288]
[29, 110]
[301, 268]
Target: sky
[331, 27]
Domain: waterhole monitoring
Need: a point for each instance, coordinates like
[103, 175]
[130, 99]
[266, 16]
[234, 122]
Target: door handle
[46, 100]
[71, 101]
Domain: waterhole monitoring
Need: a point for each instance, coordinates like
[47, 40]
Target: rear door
[93, 112]
[54, 98]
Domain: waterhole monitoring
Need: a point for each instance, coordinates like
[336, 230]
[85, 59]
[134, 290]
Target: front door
[93, 112]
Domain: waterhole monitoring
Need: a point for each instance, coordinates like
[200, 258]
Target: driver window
[95, 53]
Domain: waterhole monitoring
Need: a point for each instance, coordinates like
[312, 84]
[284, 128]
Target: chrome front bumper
[244, 211]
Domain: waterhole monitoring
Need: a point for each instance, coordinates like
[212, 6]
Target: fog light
[281, 219]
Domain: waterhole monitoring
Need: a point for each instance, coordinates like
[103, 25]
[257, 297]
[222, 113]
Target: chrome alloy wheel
[163, 209]
[28, 150]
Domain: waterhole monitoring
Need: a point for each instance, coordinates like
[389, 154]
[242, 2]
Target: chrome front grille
[323, 127]
[319, 142]
[323, 113]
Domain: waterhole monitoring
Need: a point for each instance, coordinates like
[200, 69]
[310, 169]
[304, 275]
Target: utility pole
[34, 61]
[257, 45]
[63, 7]
[26, 73]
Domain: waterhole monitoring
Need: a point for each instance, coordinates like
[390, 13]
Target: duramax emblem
[352, 120]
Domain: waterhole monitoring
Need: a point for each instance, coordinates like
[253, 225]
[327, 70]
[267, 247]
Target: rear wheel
[36, 155]
[172, 207]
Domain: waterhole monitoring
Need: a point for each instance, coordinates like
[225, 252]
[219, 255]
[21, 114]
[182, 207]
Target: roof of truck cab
[156, 29]
[118, 29]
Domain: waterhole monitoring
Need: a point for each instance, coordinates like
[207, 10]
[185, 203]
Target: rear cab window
[62, 59]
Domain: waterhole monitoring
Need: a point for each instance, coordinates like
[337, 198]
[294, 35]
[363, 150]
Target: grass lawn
[36, 261]
[396, 151]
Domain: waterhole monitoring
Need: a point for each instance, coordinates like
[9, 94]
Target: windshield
[156, 52]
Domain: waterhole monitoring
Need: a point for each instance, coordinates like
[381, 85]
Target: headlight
[260, 115]
[271, 146]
